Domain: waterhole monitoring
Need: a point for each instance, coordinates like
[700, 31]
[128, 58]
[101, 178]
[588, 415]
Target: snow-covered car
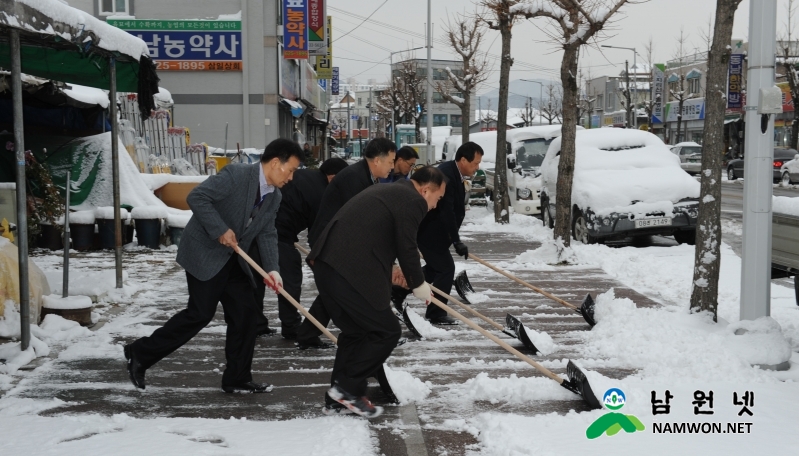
[626, 183]
[790, 171]
[690, 154]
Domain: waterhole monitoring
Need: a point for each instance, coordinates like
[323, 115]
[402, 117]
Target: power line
[356, 27]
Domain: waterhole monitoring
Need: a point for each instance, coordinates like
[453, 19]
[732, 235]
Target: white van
[526, 148]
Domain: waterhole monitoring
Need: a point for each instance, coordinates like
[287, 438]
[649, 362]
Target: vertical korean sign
[734, 80]
[658, 76]
[324, 64]
[190, 45]
[317, 37]
[295, 30]
[334, 82]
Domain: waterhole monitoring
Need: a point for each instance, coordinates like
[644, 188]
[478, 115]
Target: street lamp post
[540, 96]
[635, 80]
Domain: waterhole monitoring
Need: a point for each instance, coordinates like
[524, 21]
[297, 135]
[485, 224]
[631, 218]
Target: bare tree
[679, 93]
[552, 109]
[464, 36]
[528, 115]
[788, 61]
[585, 106]
[407, 94]
[572, 24]
[707, 260]
[649, 105]
[501, 15]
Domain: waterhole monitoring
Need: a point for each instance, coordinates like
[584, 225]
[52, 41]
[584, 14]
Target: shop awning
[732, 118]
[297, 109]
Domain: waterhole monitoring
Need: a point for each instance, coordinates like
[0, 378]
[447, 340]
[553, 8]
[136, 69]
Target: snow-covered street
[461, 393]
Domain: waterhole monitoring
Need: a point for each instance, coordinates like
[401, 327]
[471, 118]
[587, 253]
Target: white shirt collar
[459, 171]
[266, 188]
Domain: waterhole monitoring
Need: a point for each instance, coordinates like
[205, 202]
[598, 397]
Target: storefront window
[439, 120]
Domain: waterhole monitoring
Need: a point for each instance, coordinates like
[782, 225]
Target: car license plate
[648, 223]
[693, 160]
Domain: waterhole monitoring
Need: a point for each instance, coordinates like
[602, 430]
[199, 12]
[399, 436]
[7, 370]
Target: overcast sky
[364, 53]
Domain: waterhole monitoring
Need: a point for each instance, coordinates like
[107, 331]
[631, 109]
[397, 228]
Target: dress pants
[368, 335]
[439, 271]
[290, 263]
[234, 289]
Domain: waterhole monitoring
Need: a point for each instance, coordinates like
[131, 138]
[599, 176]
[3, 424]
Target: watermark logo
[613, 422]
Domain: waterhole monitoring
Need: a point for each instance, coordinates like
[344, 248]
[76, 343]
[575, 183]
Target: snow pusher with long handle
[517, 330]
[462, 285]
[380, 375]
[577, 382]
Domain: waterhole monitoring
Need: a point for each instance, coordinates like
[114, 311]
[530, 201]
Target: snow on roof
[687, 143]
[65, 19]
[88, 95]
[613, 168]
[536, 131]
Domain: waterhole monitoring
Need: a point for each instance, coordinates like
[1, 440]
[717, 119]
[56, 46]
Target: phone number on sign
[197, 65]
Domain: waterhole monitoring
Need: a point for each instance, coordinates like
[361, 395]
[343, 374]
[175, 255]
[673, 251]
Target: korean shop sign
[735, 82]
[295, 29]
[317, 39]
[191, 45]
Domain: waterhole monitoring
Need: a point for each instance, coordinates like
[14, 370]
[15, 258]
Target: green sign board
[155, 24]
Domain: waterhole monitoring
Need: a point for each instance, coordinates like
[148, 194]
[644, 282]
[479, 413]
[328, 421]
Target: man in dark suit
[439, 229]
[354, 276]
[236, 207]
[298, 208]
[378, 162]
[404, 162]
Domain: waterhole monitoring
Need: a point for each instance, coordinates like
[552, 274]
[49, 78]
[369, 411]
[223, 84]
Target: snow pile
[149, 212]
[406, 387]
[83, 282]
[513, 389]
[82, 217]
[88, 95]
[622, 171]
[608, 306]
[107, 213]
[760, 341]
[57, 328]
[15, 357]
[785, 205]
[427, 330]
[477, 298]
[55, 301]
[542, 341]
[178, 220]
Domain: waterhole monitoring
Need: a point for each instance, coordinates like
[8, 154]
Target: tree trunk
[707, 260]
[465, 116]
[793, 84]
[501, 197]
[563, 200]
[627, 95]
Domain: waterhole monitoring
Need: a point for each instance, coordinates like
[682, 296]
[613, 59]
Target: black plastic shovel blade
[408, 322]
[463, 286]
[385, 386]
[578, 384]
[521, 333]
[587, 310]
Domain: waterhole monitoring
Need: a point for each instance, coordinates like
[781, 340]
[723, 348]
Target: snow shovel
[515, 327]
[586, 309]
[577, 382]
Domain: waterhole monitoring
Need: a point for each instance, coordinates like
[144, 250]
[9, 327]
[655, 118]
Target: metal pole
[22, 214]
[635, 90]
[756, 251]
[347, 144]
[65, 285]
[430, 156]
[112, 63]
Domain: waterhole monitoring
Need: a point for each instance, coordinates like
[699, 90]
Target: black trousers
[368, 336]
[308, 330]
[290, 263]
[233, 288]
[439, 271]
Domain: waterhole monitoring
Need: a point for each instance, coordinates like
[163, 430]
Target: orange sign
[197, 65]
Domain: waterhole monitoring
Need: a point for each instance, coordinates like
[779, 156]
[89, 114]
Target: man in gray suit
[236, 207]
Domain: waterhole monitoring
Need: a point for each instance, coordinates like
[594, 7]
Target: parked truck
[785, 248]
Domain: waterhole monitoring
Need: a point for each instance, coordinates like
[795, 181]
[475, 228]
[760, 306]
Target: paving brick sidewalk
[187, 384]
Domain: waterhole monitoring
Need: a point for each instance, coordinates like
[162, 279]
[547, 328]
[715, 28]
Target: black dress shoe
[249, 387]
[316, 342]
[444, 320]
[266, 332]
[289, 332]
[135, 371]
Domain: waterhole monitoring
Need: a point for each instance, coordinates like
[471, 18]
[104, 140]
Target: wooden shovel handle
[287, 296]
[469, 309]
[498, 341]
[522, 282]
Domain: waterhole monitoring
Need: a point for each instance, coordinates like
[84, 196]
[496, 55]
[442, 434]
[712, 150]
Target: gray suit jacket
[225, 201]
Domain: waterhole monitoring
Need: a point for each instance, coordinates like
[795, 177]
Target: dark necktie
[256, 206]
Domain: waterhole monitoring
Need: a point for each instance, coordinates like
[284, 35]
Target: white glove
[277, 281]
[424, 293]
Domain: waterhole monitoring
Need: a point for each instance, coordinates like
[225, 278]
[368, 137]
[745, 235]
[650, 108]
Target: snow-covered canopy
[622, 171]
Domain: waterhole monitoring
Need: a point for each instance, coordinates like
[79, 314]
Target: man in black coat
[439, 229]
[298, 208]
[378, 162]
[353, 274]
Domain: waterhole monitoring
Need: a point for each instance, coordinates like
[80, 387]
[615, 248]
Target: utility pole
[629, 94]
[430, 155]
[347, 144]
[756, 250]
[369, 107]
